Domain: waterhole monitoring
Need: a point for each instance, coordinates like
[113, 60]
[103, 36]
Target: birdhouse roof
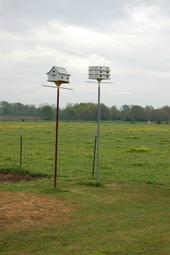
[60, 70]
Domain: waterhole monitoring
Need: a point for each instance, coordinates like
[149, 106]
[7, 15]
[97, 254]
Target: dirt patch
[24, 210]
[15, 177]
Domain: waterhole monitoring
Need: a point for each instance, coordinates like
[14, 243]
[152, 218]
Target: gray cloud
[130, 36]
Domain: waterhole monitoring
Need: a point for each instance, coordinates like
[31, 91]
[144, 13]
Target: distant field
[128, 214]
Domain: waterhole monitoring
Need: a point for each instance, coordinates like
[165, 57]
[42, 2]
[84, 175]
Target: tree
[137, 113]
[126, 112]
[86, 111]
[5, 108]
[149, 113]
[18, 109]
[69, 112]
[114, 113]
[46, 112]
[104, 110]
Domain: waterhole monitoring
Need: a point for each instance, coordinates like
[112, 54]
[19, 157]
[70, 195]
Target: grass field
[128, 214]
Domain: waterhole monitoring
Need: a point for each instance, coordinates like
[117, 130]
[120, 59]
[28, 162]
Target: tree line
[87, 112]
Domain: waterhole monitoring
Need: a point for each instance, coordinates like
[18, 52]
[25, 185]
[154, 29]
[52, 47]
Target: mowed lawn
[129, 213]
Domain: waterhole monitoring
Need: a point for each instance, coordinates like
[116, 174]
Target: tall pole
[56, 137]
[98, 73]
[98, 134]
[20, 157]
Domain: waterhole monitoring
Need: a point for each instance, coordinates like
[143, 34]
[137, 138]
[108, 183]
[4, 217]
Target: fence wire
[121, 159]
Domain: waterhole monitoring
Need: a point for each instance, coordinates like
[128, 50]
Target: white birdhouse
[99, 72]
[58, 75]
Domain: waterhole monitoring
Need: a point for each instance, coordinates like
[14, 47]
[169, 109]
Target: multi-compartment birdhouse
[58, 75]
[99, 72]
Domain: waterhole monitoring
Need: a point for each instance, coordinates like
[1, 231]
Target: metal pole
[98, 134]
[56, 138]
[20, 158]
[94, 156]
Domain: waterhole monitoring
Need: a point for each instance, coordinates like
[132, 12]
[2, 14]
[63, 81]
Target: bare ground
[15, 177]
[20, 210]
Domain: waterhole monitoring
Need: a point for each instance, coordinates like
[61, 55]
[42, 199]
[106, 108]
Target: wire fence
[120, 160]
[36, 154]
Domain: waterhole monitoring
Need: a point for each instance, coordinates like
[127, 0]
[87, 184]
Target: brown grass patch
[6, 177]
[25, 210]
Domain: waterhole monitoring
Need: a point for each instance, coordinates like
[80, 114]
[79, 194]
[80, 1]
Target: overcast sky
[132, 37]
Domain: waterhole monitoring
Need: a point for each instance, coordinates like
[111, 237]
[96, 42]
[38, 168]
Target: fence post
[20, 157]
[94, 155]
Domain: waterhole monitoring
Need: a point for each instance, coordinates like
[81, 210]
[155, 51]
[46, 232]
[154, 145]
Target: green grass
[127, 214]
[138, 152]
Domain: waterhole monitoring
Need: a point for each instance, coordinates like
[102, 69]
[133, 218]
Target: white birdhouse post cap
[99, 72]
[58, 75]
